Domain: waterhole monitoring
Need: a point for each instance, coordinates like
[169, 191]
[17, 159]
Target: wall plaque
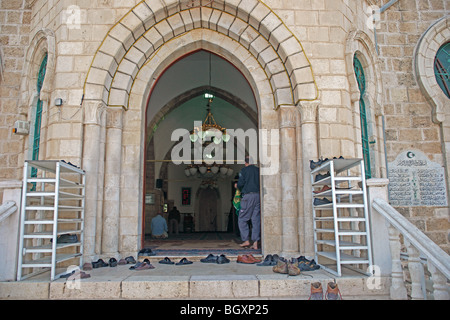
[415, 181]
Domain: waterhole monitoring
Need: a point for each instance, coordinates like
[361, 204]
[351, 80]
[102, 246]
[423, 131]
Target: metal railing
[417, 245]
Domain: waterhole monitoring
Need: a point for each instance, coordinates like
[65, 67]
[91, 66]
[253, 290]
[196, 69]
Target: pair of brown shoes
[332, 293]
[286, 267]
[248, 259]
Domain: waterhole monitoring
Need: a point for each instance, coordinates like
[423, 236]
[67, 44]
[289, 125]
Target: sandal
[166, 260]
[183, 261]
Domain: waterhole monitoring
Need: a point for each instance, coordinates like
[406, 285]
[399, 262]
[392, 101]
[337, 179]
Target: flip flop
[166, 260]
[183, 261]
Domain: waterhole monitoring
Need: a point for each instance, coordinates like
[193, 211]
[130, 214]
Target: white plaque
[415, 181]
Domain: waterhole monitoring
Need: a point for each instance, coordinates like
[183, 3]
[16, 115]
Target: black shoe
[318, 202]
[67, 238]
[166, 260]
[209, 259]
[146, 252]
[99, 264]
[112, 262]
[222, 259]
[130, 259]
[322, 176]
[183, 261]
[313, 165]
[268, 261]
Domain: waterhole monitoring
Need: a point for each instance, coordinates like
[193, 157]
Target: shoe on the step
[281, 267]
[316, 291]
[166, 260]
[113, 262]
[275, 259]
[145, 265]
[130, 260]
[87, 266]
[252, 258]
[209, 259]
[293, 270]
[305, 266]
[138, 264]
[222, 259]
[183, 262]
[146, 252]
[333, 292]
[99, 264]
[247, 259]
[268, 261]
[122, 262]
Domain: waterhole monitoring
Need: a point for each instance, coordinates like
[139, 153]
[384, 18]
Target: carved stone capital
[308, 111]
[93, 111]
[114, 118]
[288, 117]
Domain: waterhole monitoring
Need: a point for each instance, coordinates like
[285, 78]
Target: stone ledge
[140, 286]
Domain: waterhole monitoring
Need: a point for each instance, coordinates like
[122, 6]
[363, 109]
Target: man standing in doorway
[248, 184]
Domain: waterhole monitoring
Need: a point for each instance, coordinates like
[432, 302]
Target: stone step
[195, 281]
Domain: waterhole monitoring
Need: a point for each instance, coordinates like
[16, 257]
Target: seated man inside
[159, 227]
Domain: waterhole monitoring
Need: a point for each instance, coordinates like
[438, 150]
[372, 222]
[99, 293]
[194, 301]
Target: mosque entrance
[187, 167]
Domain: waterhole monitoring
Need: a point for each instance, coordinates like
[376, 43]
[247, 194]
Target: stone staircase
[195, 281]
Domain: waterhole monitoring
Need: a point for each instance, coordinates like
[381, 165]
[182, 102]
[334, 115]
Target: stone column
[92, 111]
[111, 195]
[288, 166]
[308, 111]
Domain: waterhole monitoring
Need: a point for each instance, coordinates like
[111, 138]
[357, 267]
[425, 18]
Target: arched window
[360, 77]
[37, 123]
[442, 68]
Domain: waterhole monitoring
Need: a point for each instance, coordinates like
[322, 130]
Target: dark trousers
[250, 211]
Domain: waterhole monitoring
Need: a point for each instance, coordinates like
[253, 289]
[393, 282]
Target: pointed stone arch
[127, 64]
[43, 43]
[142, 32]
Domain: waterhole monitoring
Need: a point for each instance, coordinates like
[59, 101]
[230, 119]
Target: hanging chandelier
[209, 129]
[209, 132]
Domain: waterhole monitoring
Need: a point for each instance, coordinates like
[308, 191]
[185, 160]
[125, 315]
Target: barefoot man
[248, 184]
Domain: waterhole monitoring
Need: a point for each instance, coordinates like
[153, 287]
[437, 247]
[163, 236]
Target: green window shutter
[37, 123]
[361, 79]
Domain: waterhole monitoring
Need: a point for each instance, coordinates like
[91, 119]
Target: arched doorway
[199, 88]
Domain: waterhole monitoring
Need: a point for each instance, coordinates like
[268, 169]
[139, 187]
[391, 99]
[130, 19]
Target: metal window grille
[442, 68]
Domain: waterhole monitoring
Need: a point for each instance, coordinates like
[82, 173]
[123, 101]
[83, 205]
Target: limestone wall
[330, 33]
[409, 115]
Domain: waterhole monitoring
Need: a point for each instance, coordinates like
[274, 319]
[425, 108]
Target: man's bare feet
[255, 245]
[245, 244]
